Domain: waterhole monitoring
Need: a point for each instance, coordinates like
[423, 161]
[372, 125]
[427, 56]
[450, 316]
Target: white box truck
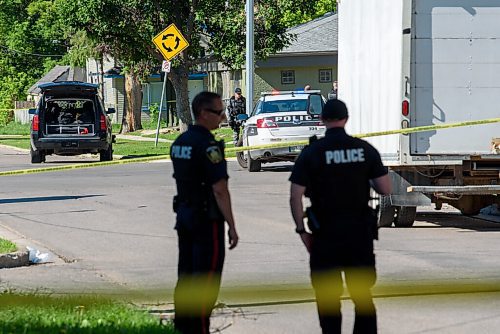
[410, 63]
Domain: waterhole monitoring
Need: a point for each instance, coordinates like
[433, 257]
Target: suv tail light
[266, 123]
[35, 123]
[103, 123]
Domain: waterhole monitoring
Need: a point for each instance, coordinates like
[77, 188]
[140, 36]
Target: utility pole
[249, 61]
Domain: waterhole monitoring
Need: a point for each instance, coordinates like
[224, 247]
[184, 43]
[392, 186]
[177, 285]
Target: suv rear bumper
[71, 145]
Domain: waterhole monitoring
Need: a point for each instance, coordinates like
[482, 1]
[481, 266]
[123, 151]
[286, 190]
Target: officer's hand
[233, 238]
[307, 240]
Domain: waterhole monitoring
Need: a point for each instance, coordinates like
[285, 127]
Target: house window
[325, 75]
[287, 77]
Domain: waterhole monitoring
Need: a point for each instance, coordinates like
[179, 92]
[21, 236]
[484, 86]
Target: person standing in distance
[333, 93]
[336, 173]
[307, 87]
[237, 106]
[202, 204]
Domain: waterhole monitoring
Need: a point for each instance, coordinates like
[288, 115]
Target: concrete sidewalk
[140, 138]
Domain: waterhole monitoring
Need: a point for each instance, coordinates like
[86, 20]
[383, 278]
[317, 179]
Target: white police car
[280, 117]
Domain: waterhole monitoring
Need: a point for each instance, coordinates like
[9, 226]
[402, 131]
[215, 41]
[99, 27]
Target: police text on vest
[345, 156]
[181, 152]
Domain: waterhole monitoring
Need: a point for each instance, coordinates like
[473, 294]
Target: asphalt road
[110, 230]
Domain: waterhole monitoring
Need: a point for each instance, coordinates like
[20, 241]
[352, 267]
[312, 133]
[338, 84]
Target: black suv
[70, 119]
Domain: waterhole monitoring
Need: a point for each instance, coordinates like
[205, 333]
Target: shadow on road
[43, 199]
[457, 220]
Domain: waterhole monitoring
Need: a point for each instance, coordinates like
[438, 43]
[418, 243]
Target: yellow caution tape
[371, 134]
[249, 148]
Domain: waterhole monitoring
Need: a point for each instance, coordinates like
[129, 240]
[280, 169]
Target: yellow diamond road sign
[170, 42]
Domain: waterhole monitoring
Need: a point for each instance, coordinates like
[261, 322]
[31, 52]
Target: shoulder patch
[214, 154]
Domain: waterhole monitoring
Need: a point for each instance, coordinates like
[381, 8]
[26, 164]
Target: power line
[8, 50]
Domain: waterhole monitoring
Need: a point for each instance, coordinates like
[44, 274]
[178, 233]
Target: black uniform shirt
[198, 161]
[336, 171]
[237, 107]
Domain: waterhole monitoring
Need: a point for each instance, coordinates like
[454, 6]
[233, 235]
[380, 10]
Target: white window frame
[325, 75]
[288, 77]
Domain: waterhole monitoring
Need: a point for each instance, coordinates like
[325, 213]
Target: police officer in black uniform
[237, 106]
[336, 172]
[333, 93]
[202, 205]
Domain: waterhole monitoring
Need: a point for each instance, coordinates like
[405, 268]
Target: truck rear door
[455, 74]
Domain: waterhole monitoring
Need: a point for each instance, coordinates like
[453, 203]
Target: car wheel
[106, 155]
[240, 156]
[36, 156]
[253, 165]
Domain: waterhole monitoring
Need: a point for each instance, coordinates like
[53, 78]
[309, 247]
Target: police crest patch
[214, 154]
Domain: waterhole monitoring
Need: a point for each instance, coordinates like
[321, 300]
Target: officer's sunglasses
[213, 111]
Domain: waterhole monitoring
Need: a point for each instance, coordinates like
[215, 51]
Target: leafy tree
[32, 41]
[215, 30]
[321, 7]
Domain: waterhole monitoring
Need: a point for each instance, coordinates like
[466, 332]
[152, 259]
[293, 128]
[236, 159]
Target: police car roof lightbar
[278, 92]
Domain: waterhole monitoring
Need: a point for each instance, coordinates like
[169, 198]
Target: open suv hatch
[70, 119]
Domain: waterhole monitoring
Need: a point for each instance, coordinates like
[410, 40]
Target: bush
[6, 116]
[154, 111]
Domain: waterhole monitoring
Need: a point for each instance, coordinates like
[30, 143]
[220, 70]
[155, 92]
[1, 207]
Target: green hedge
[6, 116]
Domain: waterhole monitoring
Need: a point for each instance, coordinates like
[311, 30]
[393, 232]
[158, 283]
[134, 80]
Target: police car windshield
[282, 106]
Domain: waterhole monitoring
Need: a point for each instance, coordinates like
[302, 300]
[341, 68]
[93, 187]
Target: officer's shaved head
[204, 100]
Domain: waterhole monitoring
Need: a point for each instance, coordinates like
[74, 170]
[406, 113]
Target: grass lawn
[126, 148]
[133, 148]
[16, 142]
[221, 133]
[14, 128]
[7, 246]
[46, 315]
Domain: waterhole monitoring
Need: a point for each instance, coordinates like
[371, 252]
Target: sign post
[249, 59]
[165, 67]
[170, 42]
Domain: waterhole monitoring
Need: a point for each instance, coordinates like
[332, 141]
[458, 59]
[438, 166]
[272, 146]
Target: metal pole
[249, 62]
[159, 112]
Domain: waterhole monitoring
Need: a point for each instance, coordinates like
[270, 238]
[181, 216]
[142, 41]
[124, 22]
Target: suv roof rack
[283, 92]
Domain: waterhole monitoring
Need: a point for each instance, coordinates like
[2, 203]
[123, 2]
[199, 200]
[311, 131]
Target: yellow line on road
[80, 166]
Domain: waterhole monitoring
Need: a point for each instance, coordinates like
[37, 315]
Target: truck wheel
[253, 165]
[240, 156]
[386, 211]
[106, 155]
[405, 216]
[36, 156]
[469, 212]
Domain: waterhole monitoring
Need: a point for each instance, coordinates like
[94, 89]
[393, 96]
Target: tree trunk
[133, 103]
[179, 79]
